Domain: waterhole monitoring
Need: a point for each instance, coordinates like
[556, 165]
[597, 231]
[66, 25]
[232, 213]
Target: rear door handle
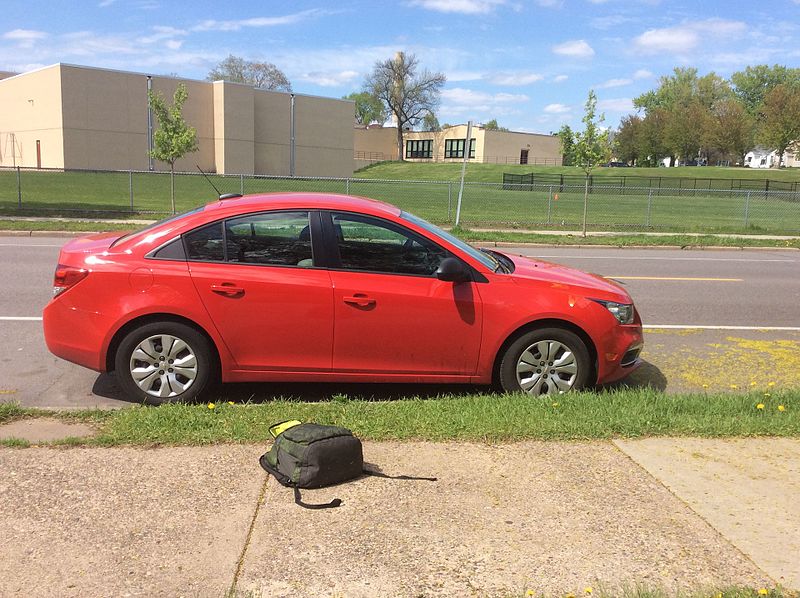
[228, 289]
[360, 300]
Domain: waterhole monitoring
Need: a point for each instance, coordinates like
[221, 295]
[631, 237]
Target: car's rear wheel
[545, 361]
[164, 362]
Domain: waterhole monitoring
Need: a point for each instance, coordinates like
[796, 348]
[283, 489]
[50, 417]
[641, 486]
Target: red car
[319, 287]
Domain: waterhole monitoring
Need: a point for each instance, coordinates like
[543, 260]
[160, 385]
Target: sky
[527, 63]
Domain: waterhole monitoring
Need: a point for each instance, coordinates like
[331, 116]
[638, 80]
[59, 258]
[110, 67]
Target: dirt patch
[40, 430]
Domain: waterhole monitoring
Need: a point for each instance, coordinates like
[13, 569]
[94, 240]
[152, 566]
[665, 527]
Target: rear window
[155, 224]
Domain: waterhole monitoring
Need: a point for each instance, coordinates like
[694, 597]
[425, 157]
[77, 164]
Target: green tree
[753, 83]
[567, 138]
[493, 126]
[627, 139]
[732, 129]
[174, 138]
[407, 92]
[369, 109]
[780, 124]
[430, 122]
[263, 75]
[652, 146]
[591, 146]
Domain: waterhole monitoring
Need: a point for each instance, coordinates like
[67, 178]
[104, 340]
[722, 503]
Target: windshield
[486, 259]
[155, 224]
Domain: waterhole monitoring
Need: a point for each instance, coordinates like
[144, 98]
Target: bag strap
[298, 501]
[379, 474]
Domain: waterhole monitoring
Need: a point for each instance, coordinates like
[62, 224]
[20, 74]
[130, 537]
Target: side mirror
[453, 270]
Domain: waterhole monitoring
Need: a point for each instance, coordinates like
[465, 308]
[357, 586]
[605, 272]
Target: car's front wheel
[545, 361]
[164, 362]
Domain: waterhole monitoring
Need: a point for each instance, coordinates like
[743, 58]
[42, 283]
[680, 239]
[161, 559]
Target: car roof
[320, 201]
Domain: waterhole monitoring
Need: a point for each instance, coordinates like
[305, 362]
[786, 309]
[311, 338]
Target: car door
[257, 277]
[392, 314]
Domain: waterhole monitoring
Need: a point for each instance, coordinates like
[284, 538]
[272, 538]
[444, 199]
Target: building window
[454, 148]
[419, 148]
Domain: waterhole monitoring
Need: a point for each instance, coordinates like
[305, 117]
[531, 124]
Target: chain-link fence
[484, 205]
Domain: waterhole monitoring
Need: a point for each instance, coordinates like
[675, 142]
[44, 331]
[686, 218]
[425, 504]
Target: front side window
[277, 239]
[454, 148]
[373, 245]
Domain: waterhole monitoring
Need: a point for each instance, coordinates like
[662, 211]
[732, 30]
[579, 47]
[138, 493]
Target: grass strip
[628, 413]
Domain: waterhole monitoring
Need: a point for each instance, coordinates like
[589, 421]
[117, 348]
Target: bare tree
[406, 94]
[263, 75]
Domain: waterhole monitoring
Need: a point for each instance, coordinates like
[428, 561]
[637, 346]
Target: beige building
[76, 117]
[376, 143]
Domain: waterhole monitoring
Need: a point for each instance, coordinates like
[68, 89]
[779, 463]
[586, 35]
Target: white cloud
[25, 38]
[614, 83]
[457, 76]
[459, 102]
[162, 33]
[611, 21]
[214, 25]
[173, 44]
[330, 79]
[576, 48]
[105, 3]
[642, 74]
[616, 105]
[515, 79]
[467, 7]
[557, 109]
[683, 39]
[560, 78]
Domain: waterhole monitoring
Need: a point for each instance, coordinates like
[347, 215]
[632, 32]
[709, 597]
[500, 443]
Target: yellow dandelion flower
[763, 592]
[530, 593]
[587, 590]
[570, 595]
[734, 386]
[771, 384]
[752, 383]
[231, 403]
[719, 595]
[781, 408]
[705, 385]
[211, 405]
[766, 394]
[760, 406]
[555, 404]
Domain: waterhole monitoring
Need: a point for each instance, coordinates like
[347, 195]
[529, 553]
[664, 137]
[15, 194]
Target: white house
[760, 157]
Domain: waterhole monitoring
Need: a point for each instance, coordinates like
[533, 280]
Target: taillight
[67, 277]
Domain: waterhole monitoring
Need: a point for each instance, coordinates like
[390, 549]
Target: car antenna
[219, 195]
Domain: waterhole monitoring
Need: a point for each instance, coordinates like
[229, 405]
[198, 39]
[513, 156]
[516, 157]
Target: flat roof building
[75, 117]
[377, 143]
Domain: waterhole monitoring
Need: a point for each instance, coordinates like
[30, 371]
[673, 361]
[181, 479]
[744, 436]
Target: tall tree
[626, 141]
[780, 125]
[407, 92]
[493, 126]
[430, 122]
[174, 138]
[369, 109]
[753, 83]
[732, 129]
[591, 146]
[652, 146]
[567, 138]
[263, 75]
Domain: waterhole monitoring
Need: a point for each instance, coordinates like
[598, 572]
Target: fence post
[19, 190]
[449, 200]
[130, 187]
[746, 209]
[649, 207]
[241, 183]
[549, 204]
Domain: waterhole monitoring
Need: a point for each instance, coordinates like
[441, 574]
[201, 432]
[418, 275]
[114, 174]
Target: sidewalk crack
[232, 590]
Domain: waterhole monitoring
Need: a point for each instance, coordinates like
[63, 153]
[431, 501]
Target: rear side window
[277, 239]
[205, 244]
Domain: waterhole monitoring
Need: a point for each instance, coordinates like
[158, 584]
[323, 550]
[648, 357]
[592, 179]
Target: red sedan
[319, 287]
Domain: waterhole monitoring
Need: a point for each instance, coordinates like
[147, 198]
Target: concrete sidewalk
[547, 516]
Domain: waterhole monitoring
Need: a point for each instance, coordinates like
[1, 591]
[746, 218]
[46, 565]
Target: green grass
[627, 413]
[483, 204]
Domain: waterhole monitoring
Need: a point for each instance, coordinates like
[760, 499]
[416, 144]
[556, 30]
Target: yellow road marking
[675, 278]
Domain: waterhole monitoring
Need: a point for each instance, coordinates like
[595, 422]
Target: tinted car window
[278, 239]
[373, 245]
[205, 243]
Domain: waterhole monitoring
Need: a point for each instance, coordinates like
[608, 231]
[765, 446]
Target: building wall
[31, 111]
[87, 118]
[490, 146]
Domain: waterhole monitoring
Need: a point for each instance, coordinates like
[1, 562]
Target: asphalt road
[743, 297]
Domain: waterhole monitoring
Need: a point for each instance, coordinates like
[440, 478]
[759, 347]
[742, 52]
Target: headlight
[623, 312]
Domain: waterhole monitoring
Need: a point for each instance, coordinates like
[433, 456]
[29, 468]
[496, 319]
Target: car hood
[593, 285]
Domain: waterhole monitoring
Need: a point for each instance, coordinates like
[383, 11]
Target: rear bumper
[75, 334]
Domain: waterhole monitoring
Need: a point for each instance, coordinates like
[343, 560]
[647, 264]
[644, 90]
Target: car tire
[545, 361]
[164, 362]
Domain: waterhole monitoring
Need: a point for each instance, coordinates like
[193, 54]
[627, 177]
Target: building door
[523, 156]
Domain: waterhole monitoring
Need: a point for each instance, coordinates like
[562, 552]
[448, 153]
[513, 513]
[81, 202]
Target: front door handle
[359, 299]
[228, 289]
